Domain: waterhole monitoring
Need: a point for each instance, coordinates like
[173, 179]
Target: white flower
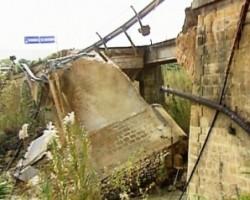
[23, 133]
[50, 129]
[69, 119]
[50, 126]
[49, 155]
[124, 196]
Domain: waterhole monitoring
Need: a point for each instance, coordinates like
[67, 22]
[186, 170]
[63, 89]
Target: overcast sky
[74, 23]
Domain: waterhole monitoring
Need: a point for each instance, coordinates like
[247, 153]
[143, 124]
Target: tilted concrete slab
[119, 122]
[99, 93]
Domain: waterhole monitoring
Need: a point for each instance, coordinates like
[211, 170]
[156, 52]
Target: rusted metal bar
[151, 6]
[221, 108]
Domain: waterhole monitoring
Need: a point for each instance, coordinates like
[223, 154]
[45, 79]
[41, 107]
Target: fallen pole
[233, 115]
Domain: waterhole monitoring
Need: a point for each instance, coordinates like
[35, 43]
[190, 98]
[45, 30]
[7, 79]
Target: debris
[36, 150]
[28, 174]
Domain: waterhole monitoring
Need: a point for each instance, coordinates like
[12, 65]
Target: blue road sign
[31, 40]
[39, 39]
[47, 39]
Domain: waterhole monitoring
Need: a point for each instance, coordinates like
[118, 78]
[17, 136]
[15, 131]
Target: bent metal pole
[121, 29]
[150, 7]
[236, 118]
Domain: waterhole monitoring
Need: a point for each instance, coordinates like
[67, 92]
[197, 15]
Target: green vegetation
[16, 106]
[176, 77]
[70, 175]
[245, 197]
[5, 188]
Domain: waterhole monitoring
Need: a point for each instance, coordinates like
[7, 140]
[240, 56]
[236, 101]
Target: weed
[70, 175]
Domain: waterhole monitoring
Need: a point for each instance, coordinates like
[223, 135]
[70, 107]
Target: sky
[74, 23]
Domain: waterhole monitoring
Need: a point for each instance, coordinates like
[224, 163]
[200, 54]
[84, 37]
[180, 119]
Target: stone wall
[220, 174]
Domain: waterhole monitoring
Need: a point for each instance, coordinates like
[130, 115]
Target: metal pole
[151, 6]
[236, 118]
[136, 14]
[144, 30]
[104, 42]
[130, 40]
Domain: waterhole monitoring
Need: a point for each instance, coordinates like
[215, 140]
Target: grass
[245, 197]
[5, 188]
[175, 77]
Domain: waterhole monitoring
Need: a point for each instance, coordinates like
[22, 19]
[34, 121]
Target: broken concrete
[99, 93]
[36, 150]
[119, 122]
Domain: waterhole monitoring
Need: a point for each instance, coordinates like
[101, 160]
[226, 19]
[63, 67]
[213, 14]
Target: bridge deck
[158, 53]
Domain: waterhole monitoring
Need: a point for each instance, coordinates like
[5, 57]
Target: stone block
[195, 116]
[213, 68]
[213, 79]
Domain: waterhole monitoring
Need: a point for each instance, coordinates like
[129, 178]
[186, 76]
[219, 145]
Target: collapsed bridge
[119, 122]
[213, 47]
